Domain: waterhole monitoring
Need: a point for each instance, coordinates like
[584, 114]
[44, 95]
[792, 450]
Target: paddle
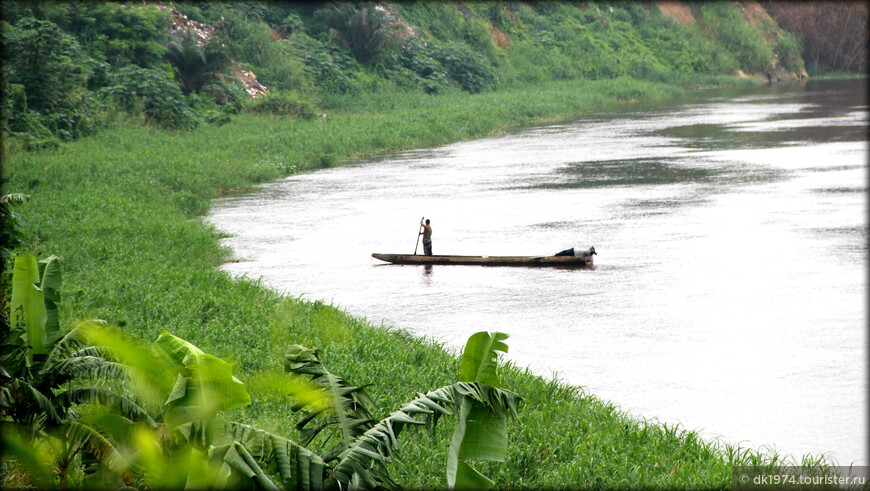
[419, 232]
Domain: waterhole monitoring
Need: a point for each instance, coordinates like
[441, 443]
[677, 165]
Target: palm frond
[66, 369]
[379, 444]
[77, 336]
[14, 198]
[240, 460]
[97, 395]
[39, 399]
[349, 410]
[298, 467]
[83, 435]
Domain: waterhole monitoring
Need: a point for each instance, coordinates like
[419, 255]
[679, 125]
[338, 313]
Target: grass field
[124, 209]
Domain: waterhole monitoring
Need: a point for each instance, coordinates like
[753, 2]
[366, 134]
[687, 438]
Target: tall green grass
[123, 209]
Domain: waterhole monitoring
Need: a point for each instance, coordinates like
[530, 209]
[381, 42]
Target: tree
[833, 34]
[53, 70]
[197, 65]
[367, 30]
[43, 398]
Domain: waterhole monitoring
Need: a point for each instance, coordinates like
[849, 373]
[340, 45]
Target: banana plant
[43, 404]
[366, 446]
[194, 446]
[481, 431]
[177, 435]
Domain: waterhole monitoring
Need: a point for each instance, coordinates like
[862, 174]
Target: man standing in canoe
[426, 232]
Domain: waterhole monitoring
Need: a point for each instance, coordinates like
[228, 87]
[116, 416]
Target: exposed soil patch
[678, 11]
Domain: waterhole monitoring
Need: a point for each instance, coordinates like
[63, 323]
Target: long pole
[418, 237]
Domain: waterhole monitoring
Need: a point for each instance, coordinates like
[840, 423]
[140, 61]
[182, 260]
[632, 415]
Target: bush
[284, 103]
[330, 67]
[469, 69]
[367, 30]
[788, 51]
[433, 66]
[737, 36]
[154, 94]
[47, 72]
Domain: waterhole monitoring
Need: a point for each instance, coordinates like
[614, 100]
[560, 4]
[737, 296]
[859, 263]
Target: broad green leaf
[480, 357]
[466, 477]
[51, 282]
[28, 303]
[221, 391]
[175, 348]
[485, 435]
[479, 434]
[205, 383]
[481, 431]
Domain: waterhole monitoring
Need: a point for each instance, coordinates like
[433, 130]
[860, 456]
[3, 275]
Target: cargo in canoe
[558, 261]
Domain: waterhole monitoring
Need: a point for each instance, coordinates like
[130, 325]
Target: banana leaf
[346, 408]
[27, 308]
[481, 430]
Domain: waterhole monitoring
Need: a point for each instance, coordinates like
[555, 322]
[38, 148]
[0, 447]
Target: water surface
[729, 291]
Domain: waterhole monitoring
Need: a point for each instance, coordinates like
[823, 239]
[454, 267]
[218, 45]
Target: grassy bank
[123, 210]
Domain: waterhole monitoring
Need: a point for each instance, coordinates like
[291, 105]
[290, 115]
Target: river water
[730, 285]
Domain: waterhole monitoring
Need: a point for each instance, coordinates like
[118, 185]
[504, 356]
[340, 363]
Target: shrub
[153, 93]
[329, 66]
[788, 51]
[197, 65]
[469, 69]
[284, 103]
[737, 36]
[368, 30]
[47, 72]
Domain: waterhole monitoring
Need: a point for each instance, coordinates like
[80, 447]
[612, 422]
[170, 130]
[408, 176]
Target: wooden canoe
[557, 261]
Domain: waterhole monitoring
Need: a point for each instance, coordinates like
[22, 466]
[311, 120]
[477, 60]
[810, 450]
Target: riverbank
[123, 210]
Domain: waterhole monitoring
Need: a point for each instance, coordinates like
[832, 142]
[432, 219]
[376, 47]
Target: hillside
[72, 68]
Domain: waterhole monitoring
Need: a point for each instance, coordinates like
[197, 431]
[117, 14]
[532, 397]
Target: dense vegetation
[70, 69]
[123, 132]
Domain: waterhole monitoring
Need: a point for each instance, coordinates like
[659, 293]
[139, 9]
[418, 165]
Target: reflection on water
[729, 288]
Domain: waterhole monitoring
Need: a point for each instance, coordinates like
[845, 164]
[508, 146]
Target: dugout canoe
[533, 261]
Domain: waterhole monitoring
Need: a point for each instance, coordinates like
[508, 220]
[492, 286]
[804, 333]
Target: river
[729, 291]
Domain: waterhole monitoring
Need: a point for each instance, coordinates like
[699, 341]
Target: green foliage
[725, 24]
[683, 49]
[185, 390]
[366, 29]
[432, 66]
[195, 447]
[332, 68]
[284, 103]
[363, 447]
[150, 91]
[44, 397]
[47, 71]
[788, 52]
[343, 48]
[112, 32]
[11, 237]
[197, 65]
